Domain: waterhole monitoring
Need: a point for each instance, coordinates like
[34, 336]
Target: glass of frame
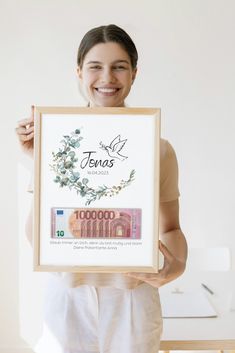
[96, 182]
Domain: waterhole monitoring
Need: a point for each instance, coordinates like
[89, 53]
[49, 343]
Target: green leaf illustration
[63, 165]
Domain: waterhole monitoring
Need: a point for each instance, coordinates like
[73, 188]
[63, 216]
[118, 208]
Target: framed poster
[96, 189]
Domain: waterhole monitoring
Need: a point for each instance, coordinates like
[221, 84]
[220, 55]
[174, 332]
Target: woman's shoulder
[166, 150]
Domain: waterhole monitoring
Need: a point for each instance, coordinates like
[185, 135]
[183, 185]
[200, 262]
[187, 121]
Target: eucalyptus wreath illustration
[64, 167]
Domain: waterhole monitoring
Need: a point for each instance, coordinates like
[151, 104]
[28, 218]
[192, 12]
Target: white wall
[186, 67]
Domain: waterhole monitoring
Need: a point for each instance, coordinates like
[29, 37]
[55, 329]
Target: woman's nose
[107, 76]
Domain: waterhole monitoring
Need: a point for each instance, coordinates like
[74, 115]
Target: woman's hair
[105, 34]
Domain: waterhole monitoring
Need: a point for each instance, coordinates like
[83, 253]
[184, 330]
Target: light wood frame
[40, 113]
[190, 345]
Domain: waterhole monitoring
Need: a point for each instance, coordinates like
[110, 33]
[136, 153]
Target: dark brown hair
[104, 34]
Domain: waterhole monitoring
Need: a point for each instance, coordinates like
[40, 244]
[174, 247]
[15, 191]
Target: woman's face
[106, 75]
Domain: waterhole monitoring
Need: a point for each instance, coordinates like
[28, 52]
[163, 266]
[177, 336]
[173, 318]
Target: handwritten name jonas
[90, 162]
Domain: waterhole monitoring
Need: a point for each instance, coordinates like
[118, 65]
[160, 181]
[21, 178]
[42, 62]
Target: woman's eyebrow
[114, 62]
[121, 61]
[93, 62]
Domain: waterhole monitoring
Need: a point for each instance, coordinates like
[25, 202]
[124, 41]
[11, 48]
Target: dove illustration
[115, 147]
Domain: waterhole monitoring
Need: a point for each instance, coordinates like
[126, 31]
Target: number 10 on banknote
[96, 189]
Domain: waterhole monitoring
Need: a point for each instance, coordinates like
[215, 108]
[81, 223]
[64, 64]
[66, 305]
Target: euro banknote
[96, 223]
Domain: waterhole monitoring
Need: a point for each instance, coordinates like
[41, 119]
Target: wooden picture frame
[96, 189]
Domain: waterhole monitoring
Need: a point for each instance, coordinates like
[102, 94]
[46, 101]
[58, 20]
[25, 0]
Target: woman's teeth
[107, 90]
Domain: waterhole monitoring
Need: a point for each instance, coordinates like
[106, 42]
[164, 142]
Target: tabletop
[203, 333]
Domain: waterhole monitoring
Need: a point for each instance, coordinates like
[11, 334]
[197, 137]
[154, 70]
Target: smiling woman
[107, 312]
[106, 81]
[107, 60]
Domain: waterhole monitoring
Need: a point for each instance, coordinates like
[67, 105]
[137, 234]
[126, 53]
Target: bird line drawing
[115, 147]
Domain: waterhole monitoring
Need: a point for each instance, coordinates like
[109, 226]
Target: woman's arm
[172, 245]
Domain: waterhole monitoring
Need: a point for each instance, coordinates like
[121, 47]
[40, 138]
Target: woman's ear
[134, 72]
[79, 72]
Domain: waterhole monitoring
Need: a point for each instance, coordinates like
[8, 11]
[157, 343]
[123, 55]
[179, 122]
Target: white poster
[97, 189]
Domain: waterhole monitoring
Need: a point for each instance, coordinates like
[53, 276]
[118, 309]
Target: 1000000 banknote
[96, 223]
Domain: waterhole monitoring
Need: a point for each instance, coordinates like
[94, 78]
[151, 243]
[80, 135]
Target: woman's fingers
[26, 122]
[29, 121]
[24, 130]
[154, 279]
[25, 127]
[25, 138]
[25, 133]
[164, 275]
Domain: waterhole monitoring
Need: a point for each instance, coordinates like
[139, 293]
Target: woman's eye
[96, 67]
[119, 68]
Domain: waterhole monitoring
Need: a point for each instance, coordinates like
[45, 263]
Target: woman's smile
[107, 91]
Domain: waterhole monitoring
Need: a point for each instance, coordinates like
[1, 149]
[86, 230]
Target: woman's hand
[174, 248]
[172, 269]
[25, 133]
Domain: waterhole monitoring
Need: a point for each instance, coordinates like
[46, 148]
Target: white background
[186, 67]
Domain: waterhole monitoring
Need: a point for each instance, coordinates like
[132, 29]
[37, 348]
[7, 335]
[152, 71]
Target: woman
[112, 312]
